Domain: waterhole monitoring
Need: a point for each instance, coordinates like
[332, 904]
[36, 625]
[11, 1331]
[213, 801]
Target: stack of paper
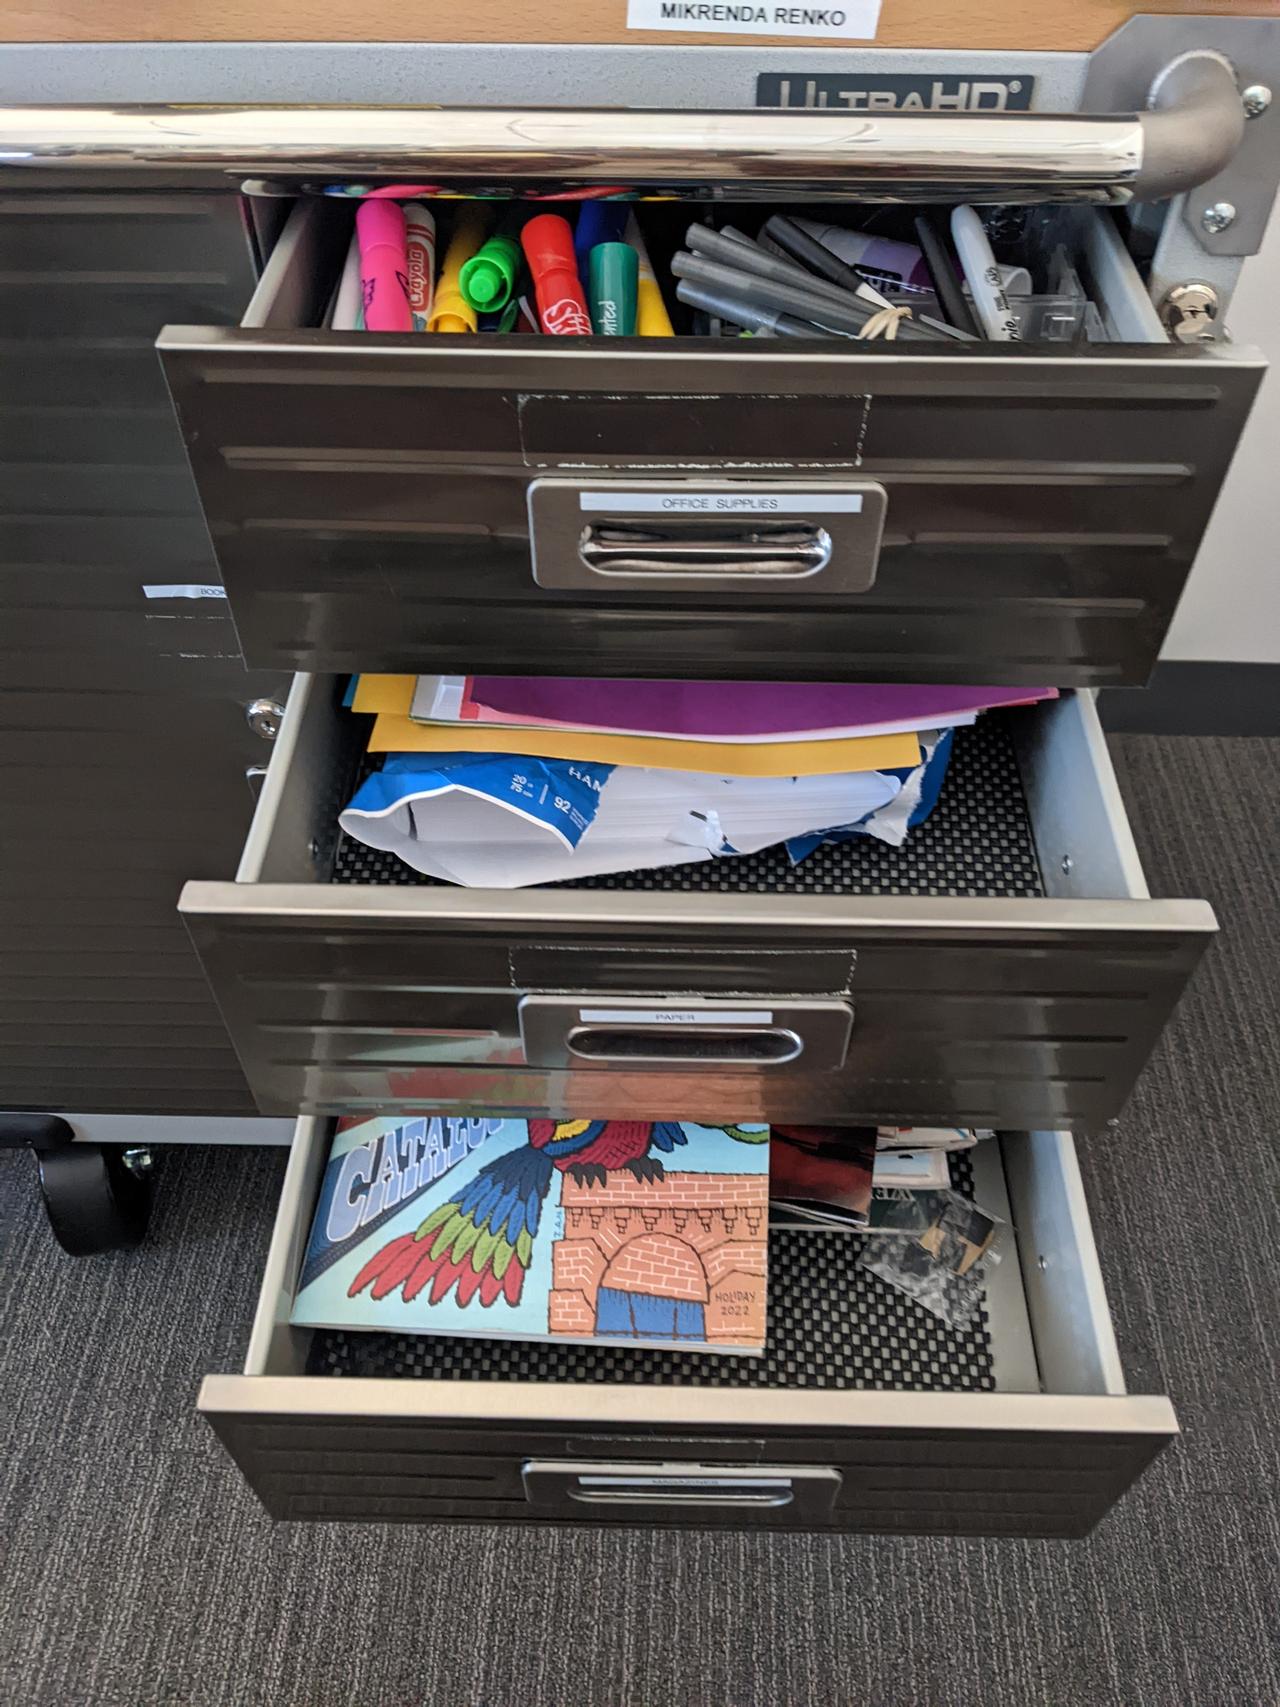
[702, 711]
[507, 781]
[792, 754]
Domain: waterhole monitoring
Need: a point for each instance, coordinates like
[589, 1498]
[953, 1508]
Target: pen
[882, 258]
[983, 275]
[818, 302]
[810, 253]
[747, 256]
[755, 291]
[450, 311]
[613, 271]
[652, 319]
[946, 287]
[547, 242]
[384, 267]
[420, 249]
[766, 320]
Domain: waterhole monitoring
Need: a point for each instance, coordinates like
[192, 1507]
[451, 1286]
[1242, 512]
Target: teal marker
[613, 277]
[489, 277]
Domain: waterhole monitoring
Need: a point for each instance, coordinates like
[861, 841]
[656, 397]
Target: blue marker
[598, 222]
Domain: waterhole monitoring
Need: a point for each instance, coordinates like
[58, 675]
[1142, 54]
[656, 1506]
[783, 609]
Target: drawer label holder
[706, 539]
[853, 20]
[686, 503]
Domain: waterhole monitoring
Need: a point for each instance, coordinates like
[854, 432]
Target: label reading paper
[725, 503]
[184, 590]
[855, 20]
[671, 1016]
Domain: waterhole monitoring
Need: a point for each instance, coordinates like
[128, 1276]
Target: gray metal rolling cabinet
[349, 502]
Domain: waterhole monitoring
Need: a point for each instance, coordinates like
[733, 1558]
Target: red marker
[548, 246]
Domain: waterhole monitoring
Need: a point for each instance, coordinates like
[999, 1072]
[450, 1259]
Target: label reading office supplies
[724, 503]
[895, 94]
[689, 531]
[854, 20]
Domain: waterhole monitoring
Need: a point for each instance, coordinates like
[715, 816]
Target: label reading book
[606, 1232]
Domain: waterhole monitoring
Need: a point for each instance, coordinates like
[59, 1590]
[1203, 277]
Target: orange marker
[548, 246]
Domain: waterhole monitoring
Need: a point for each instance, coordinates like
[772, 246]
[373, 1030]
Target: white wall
[1231, 608]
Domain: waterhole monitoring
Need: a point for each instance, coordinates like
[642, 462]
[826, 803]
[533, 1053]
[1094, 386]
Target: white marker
[982, 274]
[420, 252]
[348, 310]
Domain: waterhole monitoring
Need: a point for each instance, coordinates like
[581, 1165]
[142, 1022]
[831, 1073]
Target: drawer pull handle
[1191, 132]
[763, 1046]
[755, 551]
[672, 1497]
[650, 1033]
[804, 1491]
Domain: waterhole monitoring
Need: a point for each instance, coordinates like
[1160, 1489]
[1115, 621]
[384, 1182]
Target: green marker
[613, 273]
[489, 277]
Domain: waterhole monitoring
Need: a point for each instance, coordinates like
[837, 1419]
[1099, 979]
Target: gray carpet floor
[138, 1569]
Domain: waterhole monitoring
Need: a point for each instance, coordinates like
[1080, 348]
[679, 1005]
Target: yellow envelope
[384, 693]
[400, 734]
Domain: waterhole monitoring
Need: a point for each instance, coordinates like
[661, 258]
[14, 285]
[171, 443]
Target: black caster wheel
[96, 1199]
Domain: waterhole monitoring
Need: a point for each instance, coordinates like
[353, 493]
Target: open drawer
[1005, 968]
[416, 502]
[865, 1413]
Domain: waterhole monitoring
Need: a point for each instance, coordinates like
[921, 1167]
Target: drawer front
[919, 1464]
[996, 1013]
[617, 1450]
[369, 502]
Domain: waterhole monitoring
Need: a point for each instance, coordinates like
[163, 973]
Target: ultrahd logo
[896, 94]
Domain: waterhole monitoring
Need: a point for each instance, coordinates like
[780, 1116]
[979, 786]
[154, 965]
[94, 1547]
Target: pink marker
[384, 267]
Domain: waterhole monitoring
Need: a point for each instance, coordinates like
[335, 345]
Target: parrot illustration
[481, 1241]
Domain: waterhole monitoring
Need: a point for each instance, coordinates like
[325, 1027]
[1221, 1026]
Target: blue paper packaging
[558, 794]
[891, 823]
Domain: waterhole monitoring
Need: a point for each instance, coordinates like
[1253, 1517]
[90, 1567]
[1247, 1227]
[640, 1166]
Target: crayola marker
[451, 312]
[420, 251]
[384, 265]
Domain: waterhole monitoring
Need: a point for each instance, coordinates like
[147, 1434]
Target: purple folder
[711, 710]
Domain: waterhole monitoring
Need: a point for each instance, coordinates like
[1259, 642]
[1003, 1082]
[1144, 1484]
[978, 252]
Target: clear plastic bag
[941, 1261]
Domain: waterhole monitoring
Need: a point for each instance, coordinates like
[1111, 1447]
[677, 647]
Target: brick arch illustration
[630, 1245]
[655, 1286]
[658, 1263]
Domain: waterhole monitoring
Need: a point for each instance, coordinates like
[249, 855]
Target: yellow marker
[652, 319]
[451, 312]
